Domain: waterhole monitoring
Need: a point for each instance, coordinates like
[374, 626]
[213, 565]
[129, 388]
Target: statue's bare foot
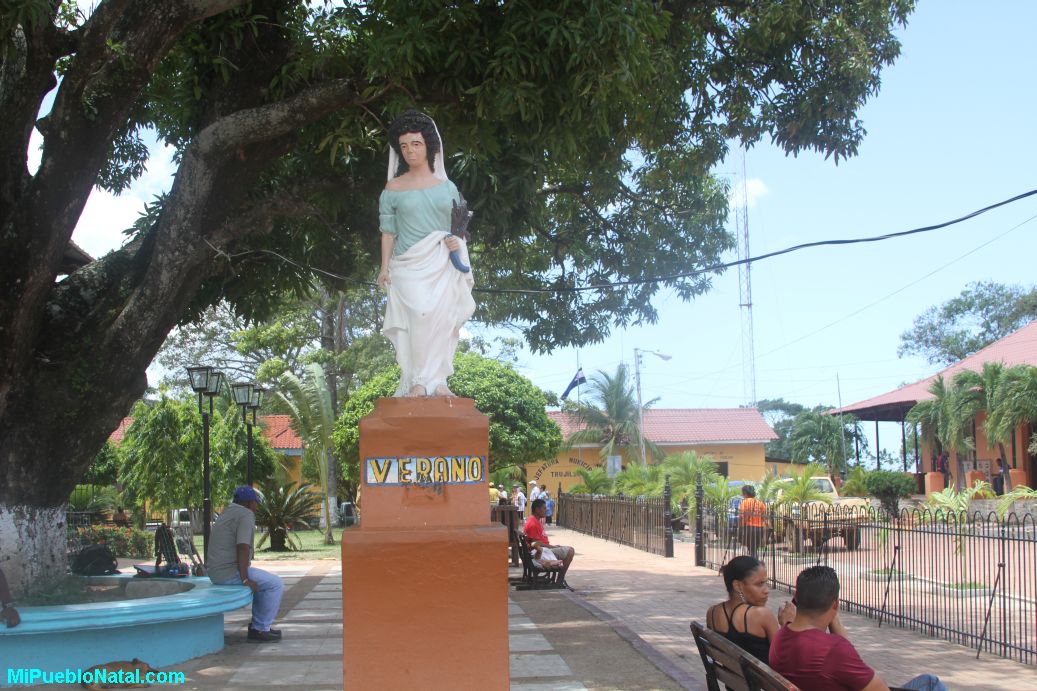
[417, 390]
[442, 390]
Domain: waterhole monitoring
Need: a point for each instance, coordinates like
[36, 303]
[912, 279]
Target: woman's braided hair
[414, 121]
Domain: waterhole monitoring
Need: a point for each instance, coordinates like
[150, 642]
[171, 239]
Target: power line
[669, 277]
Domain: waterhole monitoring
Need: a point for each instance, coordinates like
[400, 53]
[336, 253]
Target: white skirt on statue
[429, 301]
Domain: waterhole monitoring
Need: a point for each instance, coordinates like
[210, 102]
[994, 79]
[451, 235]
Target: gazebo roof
[1017, 348]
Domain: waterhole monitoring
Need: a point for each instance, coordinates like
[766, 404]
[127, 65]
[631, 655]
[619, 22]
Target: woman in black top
[744, 618]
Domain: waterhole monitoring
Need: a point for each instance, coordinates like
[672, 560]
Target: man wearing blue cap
[229, 559]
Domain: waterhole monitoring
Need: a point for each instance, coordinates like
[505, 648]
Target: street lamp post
[249, 396]
[205, 381]
[638, 352]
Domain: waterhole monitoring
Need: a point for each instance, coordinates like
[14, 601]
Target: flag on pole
[578, 379]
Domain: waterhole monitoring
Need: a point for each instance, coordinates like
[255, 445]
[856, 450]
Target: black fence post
[700, 542]
[667, 519]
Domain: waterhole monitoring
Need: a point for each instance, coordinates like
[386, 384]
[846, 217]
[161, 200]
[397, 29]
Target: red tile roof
[278, 432]
[692, 425]
[1017, 348]
[120, 431]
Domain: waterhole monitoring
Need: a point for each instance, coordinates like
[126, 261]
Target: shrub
[889, 488]
[124, 542]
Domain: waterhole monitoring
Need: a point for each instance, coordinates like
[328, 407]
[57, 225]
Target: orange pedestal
[424, 577]
[933, 483]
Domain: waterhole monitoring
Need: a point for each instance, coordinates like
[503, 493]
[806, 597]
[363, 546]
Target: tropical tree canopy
[582, 133]
[309, 403]
[597, 481]
[160, 457]
[611, 417]
[823, 439]
[984, 312]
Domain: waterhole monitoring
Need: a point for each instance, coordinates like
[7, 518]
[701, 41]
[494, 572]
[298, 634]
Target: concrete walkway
[624, 627]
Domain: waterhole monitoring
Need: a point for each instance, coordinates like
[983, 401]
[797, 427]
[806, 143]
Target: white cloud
[747, 191]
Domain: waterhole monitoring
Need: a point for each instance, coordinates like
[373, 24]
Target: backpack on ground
[95, 560]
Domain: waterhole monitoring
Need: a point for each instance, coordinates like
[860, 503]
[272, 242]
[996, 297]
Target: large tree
[582, 132]
[984, 312]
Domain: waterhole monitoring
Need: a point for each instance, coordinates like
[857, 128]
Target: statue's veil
[438, 167]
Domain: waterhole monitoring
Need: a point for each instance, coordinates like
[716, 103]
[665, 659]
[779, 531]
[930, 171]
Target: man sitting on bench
[814, 652]
[545, 554]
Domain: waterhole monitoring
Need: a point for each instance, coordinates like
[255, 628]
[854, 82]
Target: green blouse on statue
[410, 215]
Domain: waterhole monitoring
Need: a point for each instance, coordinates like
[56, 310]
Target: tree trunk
[73, 352]
[31, 530]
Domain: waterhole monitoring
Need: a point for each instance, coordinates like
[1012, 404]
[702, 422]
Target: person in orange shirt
[752, 514]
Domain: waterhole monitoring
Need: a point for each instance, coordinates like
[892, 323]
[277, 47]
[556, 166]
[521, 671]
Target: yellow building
[733, 437]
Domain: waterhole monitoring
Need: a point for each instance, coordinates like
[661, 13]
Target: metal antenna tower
[745, 292]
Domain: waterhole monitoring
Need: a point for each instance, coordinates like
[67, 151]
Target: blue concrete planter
[178, 619]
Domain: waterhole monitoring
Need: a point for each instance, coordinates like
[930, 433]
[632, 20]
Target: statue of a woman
[429, 299]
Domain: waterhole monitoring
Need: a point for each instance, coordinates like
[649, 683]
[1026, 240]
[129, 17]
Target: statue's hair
[414, 121]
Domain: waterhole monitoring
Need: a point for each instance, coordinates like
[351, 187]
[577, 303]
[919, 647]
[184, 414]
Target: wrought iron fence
[966, 578]
[644, 523]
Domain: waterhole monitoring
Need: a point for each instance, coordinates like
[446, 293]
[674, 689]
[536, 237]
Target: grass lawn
[312, 546]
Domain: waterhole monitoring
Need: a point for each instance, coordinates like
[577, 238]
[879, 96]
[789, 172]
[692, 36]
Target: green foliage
[611, 417]
[889, 488]
[684, 468]
[105, 468]
[161, 454]
[636, 480]
[309, 402]
[801, 488]
[984, 312]
[93, 499]
[952, 501]
[780, 415]
[520, 431]
[594, 481]
[1022, 492]
[285, 508]
[820, 438]
[718, 492]
[124, 542]
[769, 488]
[856, 483]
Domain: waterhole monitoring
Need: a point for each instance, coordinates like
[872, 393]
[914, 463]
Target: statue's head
[409, 123]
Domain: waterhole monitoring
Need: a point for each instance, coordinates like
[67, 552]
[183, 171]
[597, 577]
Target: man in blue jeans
[229, 563]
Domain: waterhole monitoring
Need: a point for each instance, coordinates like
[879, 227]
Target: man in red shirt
[813, 651]
[538, 542]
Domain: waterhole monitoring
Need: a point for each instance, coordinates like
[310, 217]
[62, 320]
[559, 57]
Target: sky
[951, 130]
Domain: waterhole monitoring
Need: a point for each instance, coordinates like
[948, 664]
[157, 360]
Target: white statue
[429, 291]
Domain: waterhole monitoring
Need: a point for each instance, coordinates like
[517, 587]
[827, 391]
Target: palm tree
[612, 417]
[818, 438]
[639, 481]
[285, 506]
[982, 391]
[313, 418]
[1016, 403]
[595, 481]
[684, 468]
[942, 423]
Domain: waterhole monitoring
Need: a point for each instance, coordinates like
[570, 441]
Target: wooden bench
[533, 576]
[729, 665]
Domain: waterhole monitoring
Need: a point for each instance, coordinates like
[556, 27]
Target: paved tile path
[624, 627]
